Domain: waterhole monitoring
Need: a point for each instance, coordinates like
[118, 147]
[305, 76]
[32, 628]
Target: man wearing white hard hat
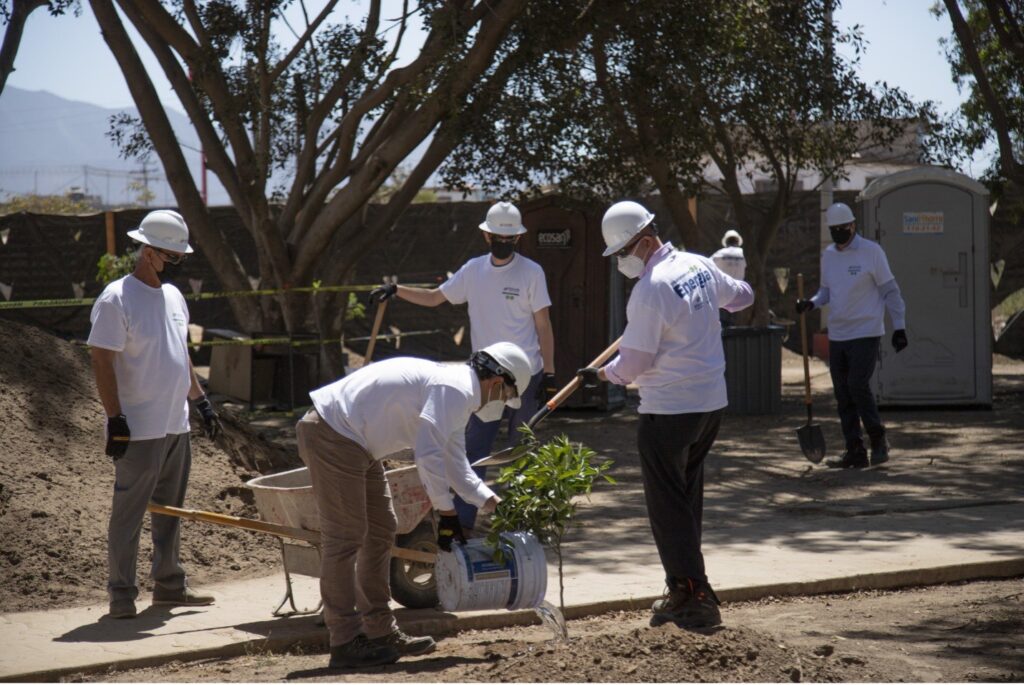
[730, 258]
[355, 422]
[138, 344]
[508, 301]
[858, 284]
[672, 351]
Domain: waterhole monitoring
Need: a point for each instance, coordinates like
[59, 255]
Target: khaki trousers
[357, 531]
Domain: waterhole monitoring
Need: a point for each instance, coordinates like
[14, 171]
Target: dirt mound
[56, 484]
[664, 654]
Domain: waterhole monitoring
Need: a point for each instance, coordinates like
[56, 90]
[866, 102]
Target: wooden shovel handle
[571, 386]
[803, 341]
[310, 536]
[381, 306]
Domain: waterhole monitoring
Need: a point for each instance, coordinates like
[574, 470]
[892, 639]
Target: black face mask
[169, 272]
[840, 234]
[501, 249]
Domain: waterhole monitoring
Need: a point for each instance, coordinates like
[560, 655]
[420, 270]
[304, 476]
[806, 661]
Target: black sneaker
[692, 605]
[358, 652]
[852, 458]
[879, 449]
[407, 645]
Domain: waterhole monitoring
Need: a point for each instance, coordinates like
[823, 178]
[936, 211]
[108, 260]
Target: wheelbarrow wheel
[412, 583]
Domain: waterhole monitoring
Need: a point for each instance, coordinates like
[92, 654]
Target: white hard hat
[503, 219]
[731, 233]
[164, 229]
[514, 362]
[838, 214]
[621, 223]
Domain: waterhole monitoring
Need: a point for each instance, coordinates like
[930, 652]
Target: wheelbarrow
[288, 511]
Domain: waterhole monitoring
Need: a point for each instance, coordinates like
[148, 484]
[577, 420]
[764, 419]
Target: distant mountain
[49, 144]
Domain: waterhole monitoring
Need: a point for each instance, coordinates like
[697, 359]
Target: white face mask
[631, 266]
[492, 409]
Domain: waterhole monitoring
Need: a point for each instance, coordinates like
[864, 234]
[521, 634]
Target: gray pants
[151, 470]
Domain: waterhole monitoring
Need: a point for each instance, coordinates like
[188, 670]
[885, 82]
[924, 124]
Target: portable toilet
[933, 224]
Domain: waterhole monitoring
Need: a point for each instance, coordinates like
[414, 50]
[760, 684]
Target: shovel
[512, 453]
[381, 306]
[812, 442]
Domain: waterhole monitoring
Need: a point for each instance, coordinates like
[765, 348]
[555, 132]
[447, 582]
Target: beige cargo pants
[357, 530]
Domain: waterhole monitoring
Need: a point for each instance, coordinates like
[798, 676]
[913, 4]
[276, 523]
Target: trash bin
[753, 368]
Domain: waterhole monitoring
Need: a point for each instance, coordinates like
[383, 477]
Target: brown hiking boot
[691, 604]
[358, 652]
[185, 597]
[407, 645]
[122, 608]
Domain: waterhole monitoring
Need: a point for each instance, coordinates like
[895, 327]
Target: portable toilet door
[933, 225]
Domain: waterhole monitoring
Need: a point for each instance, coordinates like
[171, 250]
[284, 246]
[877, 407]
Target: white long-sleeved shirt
[672, 345]
[404, 403]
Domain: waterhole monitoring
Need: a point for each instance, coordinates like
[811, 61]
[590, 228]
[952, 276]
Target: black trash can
[753, 368]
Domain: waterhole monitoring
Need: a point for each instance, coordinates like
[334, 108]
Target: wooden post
[111, 242]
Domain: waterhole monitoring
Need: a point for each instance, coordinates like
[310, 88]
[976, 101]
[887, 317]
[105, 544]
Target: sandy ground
[955, 633]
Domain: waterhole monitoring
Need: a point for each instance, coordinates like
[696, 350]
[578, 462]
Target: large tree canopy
[332, 110]
[688, 97]
[987, 59]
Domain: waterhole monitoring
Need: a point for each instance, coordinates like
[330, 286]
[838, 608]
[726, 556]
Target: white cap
[838, 214]
[512, 359]
[731, 233]
[621, 223]
[164, 229]
[503, 219]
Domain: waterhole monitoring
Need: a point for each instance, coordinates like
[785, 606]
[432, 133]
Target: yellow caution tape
[84, 301]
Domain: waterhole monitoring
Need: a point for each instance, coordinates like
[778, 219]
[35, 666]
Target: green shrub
[539, 492]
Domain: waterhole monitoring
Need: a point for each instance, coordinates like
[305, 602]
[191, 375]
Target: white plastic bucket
[468, 578]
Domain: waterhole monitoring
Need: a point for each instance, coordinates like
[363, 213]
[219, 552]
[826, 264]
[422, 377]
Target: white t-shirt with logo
[502, 302]
[731, 261]
[853, 277]
[673, 314]
[148, 328]
[404, 403]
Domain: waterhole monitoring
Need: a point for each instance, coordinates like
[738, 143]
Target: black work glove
[588, 377]
[384, 292]
[804, 306]
[449, 529]
[118, 436]
[547, 388]
[899, 340]
[211, 424]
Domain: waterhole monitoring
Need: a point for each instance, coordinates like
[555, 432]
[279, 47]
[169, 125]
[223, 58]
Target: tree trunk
[12, 35]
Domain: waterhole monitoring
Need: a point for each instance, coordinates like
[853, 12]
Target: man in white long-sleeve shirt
[672, 350]
[858, 284]
[355, 422]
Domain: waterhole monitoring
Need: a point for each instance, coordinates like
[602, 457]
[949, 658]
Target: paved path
[801, 557]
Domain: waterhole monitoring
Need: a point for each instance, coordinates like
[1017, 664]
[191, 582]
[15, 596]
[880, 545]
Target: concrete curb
[304, 632]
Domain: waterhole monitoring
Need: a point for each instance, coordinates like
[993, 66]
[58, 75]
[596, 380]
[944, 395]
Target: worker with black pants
[859, 285]
[672, 351]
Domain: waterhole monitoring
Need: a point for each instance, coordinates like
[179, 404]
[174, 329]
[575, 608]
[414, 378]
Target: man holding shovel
[672, 350]
[858, 284]
[383, 408]
[508, 301]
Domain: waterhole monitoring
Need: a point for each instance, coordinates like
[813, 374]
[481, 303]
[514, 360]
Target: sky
[67, 55]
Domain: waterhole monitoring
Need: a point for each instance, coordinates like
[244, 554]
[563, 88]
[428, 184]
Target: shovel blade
[505, 456]
[812, 442]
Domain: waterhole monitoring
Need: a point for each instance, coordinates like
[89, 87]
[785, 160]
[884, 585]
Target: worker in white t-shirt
[383, 408]
[730, 258]
[508, 302]
[138, 344]
[859, 287]
[672, 351]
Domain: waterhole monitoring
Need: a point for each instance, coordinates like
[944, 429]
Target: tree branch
[13, 34]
